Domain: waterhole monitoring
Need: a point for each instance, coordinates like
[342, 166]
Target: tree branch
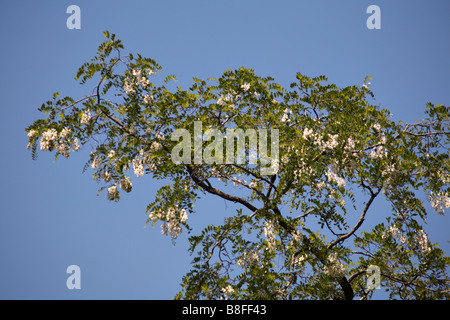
[217, 192]
[360, 221]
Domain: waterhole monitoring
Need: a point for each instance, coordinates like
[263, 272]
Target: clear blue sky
[50, 214]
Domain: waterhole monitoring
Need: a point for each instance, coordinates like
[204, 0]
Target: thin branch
[218, 192]
[254, 175]
[76, 102]
[360, 221]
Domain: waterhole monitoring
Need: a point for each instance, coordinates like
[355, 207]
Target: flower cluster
[419, 241]
[296, 239]
[85, 118]
[439, 201]
[138, 167]
[147, 98]
[128, 87]
[269, 228]
[155, 146]
[126, 185]
[350, 145]
[224, 100]
[139, 164]
[333, 267]
[113, 193]
[49, 141]
[378, 152]
[286, 114]
[172, 219]
[32, 133]
[130, 84]
[245, 86]
[145, 160]
[228, 290]
[422, 242]
[251, 257]
[333, 177]
[96, 163]
[327, 141]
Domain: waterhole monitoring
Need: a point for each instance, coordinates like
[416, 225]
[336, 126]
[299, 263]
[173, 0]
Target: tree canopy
[301, 229]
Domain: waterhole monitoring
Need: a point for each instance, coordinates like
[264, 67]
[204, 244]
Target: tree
[300, 231]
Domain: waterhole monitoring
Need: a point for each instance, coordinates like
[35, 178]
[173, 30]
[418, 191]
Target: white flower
[156, 146]
[334, 268]
[50, 134]
[393, 230]
[171, 223]
[160, 136]
[85, 117]
[285, 118]
[350, 146]
[321, 185]
[96, 163]
[113, 193]
[333, 177]
[422, 241]
[147, 98]
[443, 176]
[439, 201]
[65, 133]
[245, 86]
[128, 87]
[132, 130]
[111, 153]
[299, 260]
[269, 233]
[366, 86]
[47, 140]
[151, 166]
[75, 144]
[63, 149]
[297, 237]
[376, 127]
[332, 142]
[402, 239]
[136, 73]
[125, 184]
[250, 257]
[106, 176]
[378, 153]
[149, 71]
[220, 102]
[183, 215]
[138, 167]
[144, 81]
[228, 290]
[307, 133]
[32, 133]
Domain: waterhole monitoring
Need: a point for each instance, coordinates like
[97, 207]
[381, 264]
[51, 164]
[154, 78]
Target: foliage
[301, 233]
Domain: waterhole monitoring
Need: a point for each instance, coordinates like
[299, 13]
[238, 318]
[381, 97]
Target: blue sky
[51, 216]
